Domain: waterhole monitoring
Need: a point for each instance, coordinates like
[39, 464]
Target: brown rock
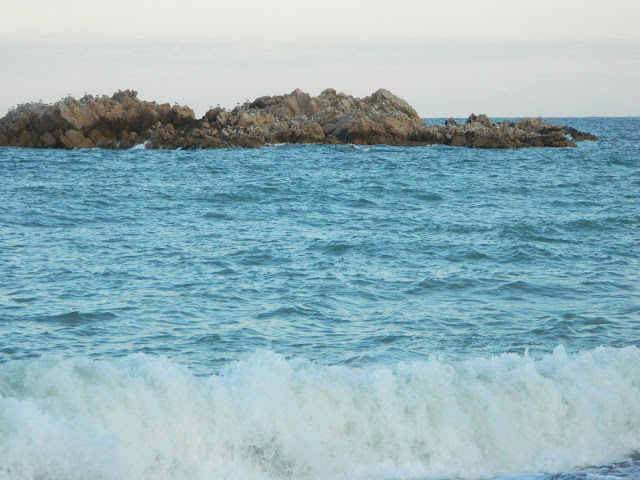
[27, 139]
[123, 121]
[77, 115]
[130, 139]
[244, 120]
[556, 139]
[380, 118]
[96, 136]
[181, 117]
[577, 135]
[47, 140]
[72, 139]
[482, 119]
[212, 115]
[107, 144]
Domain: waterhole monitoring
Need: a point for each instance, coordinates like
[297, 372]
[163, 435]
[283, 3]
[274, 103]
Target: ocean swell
[145, 417]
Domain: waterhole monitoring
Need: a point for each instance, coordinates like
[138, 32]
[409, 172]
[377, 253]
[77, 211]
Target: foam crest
[148, 418]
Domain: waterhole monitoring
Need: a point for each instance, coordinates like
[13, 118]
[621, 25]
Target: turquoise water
[322, 312]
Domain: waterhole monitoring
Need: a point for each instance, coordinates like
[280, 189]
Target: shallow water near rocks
[308, 311]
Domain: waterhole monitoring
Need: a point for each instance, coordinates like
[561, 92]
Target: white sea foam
[148, 418]
[141, 146]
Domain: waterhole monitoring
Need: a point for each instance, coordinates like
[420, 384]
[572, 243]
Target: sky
[504, 58]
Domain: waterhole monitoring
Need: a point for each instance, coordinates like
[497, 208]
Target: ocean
[322, 312]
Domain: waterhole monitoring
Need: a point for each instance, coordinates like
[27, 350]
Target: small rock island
[123, 121]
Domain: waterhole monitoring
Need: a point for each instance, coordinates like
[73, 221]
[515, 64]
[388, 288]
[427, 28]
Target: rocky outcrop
[123, 121]
[479, 132]
[119, 121]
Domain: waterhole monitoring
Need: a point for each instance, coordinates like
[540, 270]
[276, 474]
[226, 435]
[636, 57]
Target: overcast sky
[446, 58]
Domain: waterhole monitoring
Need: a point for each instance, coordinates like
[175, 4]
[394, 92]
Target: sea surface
[322, 312]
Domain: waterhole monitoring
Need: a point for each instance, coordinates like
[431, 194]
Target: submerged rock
[124, 121]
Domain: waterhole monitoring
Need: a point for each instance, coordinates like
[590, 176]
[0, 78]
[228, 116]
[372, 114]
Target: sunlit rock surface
[124, 121]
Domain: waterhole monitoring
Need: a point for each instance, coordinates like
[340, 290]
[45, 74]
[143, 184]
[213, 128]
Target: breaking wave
[268, 417]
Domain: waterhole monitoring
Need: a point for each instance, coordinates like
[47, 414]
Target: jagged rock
[47, 140]
[482, 119]
[123, 121]
[529, 123]
[108, 144]
[180, 117]
[27, 139]
[577, 135]
[74, 139]
[130, 140]
[381, 118]
[96, 136]
[76, 114]
[300, 132]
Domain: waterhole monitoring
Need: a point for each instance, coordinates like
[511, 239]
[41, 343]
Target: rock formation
[123, 121]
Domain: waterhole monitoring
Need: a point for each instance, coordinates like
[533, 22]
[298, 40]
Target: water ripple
[338, 254]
